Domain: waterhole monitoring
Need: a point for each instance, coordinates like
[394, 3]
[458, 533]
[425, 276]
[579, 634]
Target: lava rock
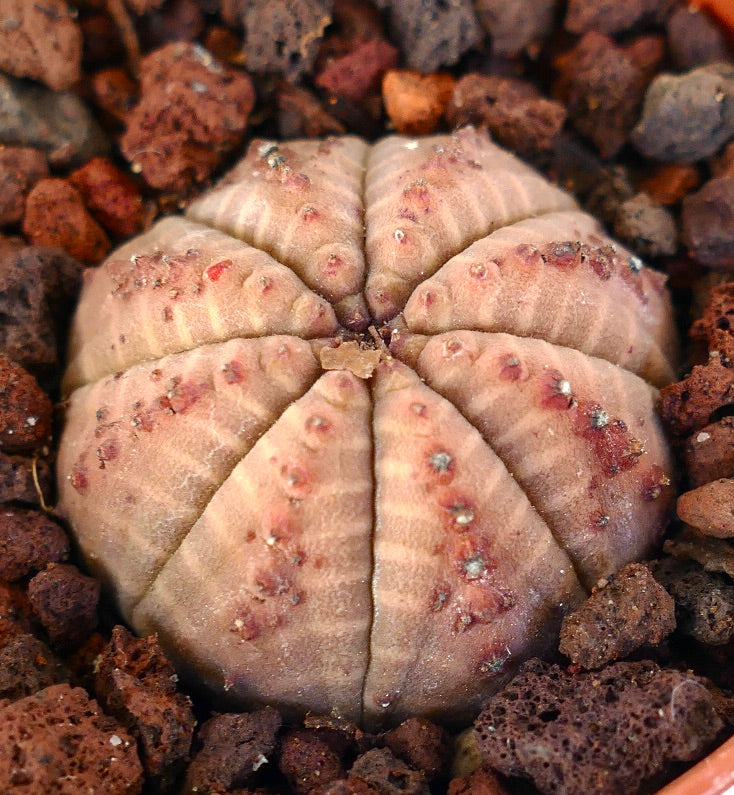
[135, 682]
[27, 665]
[516, 25]
[192, 111]
[670, 182]
[232, 748]
[55, 215]
[687, 117]
[20, 168]
[630, 611]
[357, 73]
[433, 33]
[422, 744]
[18, 482]
[481, 781]
[29, 540]
[37, 287]
[513, 110]
[381, 769]
[646, 226]
[65, 601]
[308, 762]
[42, 41]
[707, 224]
[283, 36]
[57, 123]
[609, 16]
[115, 94]
[709, 453]
[695, 38]
[416, 102]
[111, 195]
[603, 732]
[704, 601]
[714, 554]
[25, 410]
[301, 114]
[603, 87]
[60, 733]
[710, 508]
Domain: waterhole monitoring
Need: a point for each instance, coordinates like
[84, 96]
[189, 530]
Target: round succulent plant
[356, 431]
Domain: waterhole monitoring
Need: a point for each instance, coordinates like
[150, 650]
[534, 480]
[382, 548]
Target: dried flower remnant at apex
[340, 344]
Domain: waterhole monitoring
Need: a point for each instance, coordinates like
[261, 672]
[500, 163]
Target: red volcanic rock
[28, 541]
[20, 168]
[291, 443]
[25, 409]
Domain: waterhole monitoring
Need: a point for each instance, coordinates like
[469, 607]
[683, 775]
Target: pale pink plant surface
[356, 431]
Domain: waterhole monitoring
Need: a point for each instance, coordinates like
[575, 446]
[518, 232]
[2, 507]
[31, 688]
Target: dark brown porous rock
[37, 287]
[27, 665]
[414, 102]
[192, 111]
[232, 748]
[695, 38]
[707, 224]
[516, 25]
[58, 123]
[481, 781]
[603, 87]
[115, 93]
[101, 40]
[175, 20]
[687, 117]
[282, 36]
[25, 410]
[308, 762]
[603, 731]
[704, 601]
[41, 41]
[513, 110]
[646, 226]
[433, 33]
[17, 480]
[632, 610]
[20, 168]
[381, 769]
[690, 404]
[55, 215]
[60, 735]
[65, 601]
[422, 744]
[301, 114]
[708, 454]
[609, 16]
[135, 682]
[111, 195]
[714, 554]
[357, 73]
[350, 786]
[29, 540]
[715, 328]
[710, 508]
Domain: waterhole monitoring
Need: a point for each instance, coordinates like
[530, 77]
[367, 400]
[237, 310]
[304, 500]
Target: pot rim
[713, 775]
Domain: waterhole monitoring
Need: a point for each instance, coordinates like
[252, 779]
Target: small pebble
[25, 410]
[422, 744]
[41, 41]
[516, 25]
[707, 224]
[609, 16]
[709, 508]
[20, 168]
[387, 774]
[114, 93]
[414, 102]
[18, 481]
[300, 114]
[65, 601]
[687, 117]
[646, 226]
[433, 33]
[29, 540]
[111, 195]
[356, 74]
[695, 38]
[55, 215]
[308, 762]
[709, 452]
[58, 123]
[670, 182]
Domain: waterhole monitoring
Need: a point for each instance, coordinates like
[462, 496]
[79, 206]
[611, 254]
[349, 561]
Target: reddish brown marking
[654, 480]
[510, 367]
[555, 391]
[334, 264]
[107, 451]
[598, 520]
[459, 512]
[296, 480]
[601, 260]
[493, 661]
[615, 449]
[245, 624]
[440, 464]
[310, 213]
[529, 255]
[215, 272]
[80, 478]
[440, 597]
[272, 583]
[316, 424]
[564, 255]
[233, 372]
[182, 396]
[485, 601]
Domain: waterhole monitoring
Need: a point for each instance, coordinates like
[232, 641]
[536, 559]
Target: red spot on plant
[245, 625]
[511, 368]
[233, 372]
[555, 391]
[654, 480]
[217, 270]
[107, 451]
[80, 478]
[614, 448]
